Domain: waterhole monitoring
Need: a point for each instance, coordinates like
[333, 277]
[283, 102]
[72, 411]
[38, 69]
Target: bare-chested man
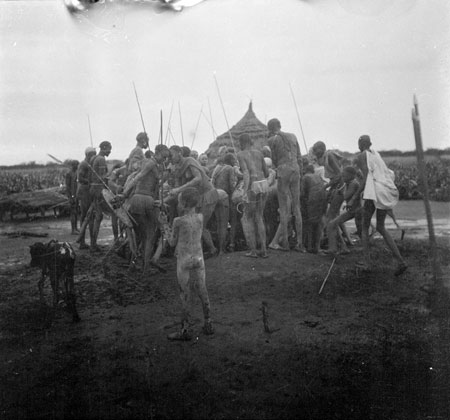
[137, 154]
[256, 188]
[188, 173]
[186, 236]
[98, 182]
[287, 159]
[83, 196]
[142, 202]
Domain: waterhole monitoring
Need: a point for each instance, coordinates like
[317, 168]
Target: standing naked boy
[186, 236]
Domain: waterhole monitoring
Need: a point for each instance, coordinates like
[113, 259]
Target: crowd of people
[17, 181]
[172, 194]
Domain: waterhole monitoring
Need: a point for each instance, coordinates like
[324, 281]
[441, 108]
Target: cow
[56, 260]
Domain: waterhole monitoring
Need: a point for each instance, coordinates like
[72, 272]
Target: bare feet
[402, 267]
[251, 254]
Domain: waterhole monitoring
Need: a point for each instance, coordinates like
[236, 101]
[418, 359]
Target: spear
[161, 128]
[168, 124]
[328, 274]
[181, 123]
[90, 131]
[224, 113]
[298, 117]
[211, 124]
[196, 127]
[139, 106]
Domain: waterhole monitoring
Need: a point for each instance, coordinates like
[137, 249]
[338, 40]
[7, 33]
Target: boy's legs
[332, 229]
[185, 296]
[294, 187]
[198, 275]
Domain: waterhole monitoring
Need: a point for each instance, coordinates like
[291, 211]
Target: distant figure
[194, 154]
[380, 195]
[71, 192]
[287, 159]
[203, 160]
[186, 236]
[256, 189]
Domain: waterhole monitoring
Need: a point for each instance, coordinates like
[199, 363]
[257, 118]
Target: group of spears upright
[314, 195]
[169, 197]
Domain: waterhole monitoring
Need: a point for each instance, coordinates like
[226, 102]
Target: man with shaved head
[287, 159]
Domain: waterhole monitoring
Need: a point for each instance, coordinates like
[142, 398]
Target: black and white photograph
[223, 209]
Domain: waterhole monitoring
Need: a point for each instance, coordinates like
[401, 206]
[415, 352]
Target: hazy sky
[354, 66]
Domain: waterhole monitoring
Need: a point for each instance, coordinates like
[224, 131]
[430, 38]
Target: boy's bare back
[187, 235]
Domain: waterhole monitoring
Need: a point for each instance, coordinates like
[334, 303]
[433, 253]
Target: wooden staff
[168, 124]
[196, 127]
[90, 131]
[424, 182]
[211, 123]
[224, 113]
[328, 274]
[298, 117]
[181, 124]
[139, 106]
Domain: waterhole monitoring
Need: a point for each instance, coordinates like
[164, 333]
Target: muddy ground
[371, 346]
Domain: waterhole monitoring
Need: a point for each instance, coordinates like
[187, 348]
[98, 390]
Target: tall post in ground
[425, 193]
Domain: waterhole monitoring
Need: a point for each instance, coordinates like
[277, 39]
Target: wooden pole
[424, 184]
[224, 113]
[210, 118]
[298, 117]
[168, 124]
[161, 128]
[139, 106]
[328, 274]
[90, 131]
[209, 123]
[181, 124]
[196, 127]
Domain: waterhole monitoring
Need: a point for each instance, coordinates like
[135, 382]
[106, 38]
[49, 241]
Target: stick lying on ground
[326, 278]
[16, 234]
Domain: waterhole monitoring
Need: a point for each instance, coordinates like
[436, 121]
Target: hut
[249, 124]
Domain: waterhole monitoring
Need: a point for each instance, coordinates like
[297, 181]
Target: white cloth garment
[380, 186]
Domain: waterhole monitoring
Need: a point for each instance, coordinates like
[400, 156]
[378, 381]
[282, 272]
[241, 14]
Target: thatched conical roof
[249, 124]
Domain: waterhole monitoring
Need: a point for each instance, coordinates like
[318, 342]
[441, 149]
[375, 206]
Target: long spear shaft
[90, 131]
[196, 127]
[168, 124]
[298, 117]
[161, 128]
[181, 124]
[211, 124]
[328, 274]
[139, 106]
[224, 113]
